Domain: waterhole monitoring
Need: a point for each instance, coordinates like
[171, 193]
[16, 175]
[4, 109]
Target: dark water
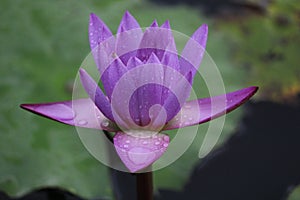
[260, 161]
[222, 7]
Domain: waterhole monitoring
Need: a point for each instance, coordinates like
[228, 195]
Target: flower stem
[144, 184]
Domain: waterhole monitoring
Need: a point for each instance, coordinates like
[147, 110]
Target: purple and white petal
[79, 112]
[128, 37]
[203, 110]
[194, 50]
[127, 23]
[98, 31]
[138, 153]
[111, 75]
[156, 40]
[96, 94]
[102, 43]
[154, 24]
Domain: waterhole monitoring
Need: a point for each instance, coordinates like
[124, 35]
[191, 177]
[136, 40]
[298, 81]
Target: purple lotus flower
[146, 87]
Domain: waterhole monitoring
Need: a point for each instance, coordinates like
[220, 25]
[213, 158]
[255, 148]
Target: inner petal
[146, 97]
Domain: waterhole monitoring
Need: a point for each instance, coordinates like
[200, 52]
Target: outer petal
[128, 22]
[98, 31]
[80, 112]
[200, 111]
[128, 38]
[96, 94]
[102, 43]
[154, 24]
[194, 50]
[111, 75]
[138, 153]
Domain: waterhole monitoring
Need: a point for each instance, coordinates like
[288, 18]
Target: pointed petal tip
[26, 107]
[249, 91]
[200, 35]
[166, 25]
[128, 22]
[127, 14]
[93, 17]
[153, 58]
[81, 71]
[154, 24]
[201, 110]
[204, 27]
[87, 115]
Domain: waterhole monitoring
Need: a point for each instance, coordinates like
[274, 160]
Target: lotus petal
[138, 153]
[80, 112]
[96, 94]
[194, 50]
[203, 110]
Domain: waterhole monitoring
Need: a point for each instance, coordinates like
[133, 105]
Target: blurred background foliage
[253, 42]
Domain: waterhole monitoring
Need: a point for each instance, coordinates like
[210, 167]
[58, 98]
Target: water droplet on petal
[127, 141]
[105, 123]
[125, 146]
[145, 142]
[166, 138]
[187, 106]
[82, 122]
[157, 143]
[186, 123]
[166, 145]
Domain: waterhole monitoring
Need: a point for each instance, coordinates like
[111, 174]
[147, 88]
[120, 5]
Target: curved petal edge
[203, 110]
[79, 112]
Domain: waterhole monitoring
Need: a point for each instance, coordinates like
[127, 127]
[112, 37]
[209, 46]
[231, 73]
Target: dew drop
[127, 141]
[82, 122]
[126, 146]
[186, 123]
[166, 138]
[166, 144]
[157, 143]
[154, 136]
[105, 123]
[187, 106]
